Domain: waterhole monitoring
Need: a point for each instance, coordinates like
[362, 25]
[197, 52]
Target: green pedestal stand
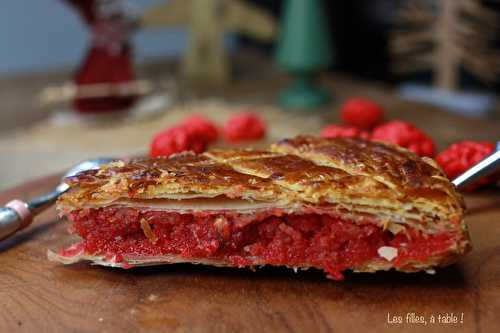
[304, 48]
[303, 94]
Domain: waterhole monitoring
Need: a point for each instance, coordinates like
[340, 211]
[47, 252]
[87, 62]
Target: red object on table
[405, 135]
[109, 59]
[361, 112]
[176, 140]
[202, 127]
[338, 131]
[460, 156]
[244, 126]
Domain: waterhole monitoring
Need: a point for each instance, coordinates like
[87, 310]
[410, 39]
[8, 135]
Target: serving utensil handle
[13, 217]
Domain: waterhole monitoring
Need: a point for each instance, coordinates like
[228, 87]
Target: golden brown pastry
[333, 204]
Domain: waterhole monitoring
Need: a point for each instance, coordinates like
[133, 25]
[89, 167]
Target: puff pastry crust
[347, 177]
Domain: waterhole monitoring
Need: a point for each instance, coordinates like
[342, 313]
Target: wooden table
[38, 295]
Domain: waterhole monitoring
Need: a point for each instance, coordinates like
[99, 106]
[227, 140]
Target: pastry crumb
[388, 252]
[148, 232]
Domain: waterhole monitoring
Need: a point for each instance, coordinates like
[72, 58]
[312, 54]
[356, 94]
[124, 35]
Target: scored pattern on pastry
[303, 169]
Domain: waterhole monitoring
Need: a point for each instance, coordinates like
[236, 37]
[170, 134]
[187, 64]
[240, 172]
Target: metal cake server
[484, 168]
[17, 214]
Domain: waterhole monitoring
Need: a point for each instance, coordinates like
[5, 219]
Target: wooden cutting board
[38, 295]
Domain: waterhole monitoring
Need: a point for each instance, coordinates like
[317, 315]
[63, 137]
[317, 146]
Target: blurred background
[80, 78]
[48, 35]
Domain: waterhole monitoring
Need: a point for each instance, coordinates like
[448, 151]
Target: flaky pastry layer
[351, 175]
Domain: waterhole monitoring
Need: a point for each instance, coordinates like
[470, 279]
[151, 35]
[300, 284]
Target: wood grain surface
[38, 295]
